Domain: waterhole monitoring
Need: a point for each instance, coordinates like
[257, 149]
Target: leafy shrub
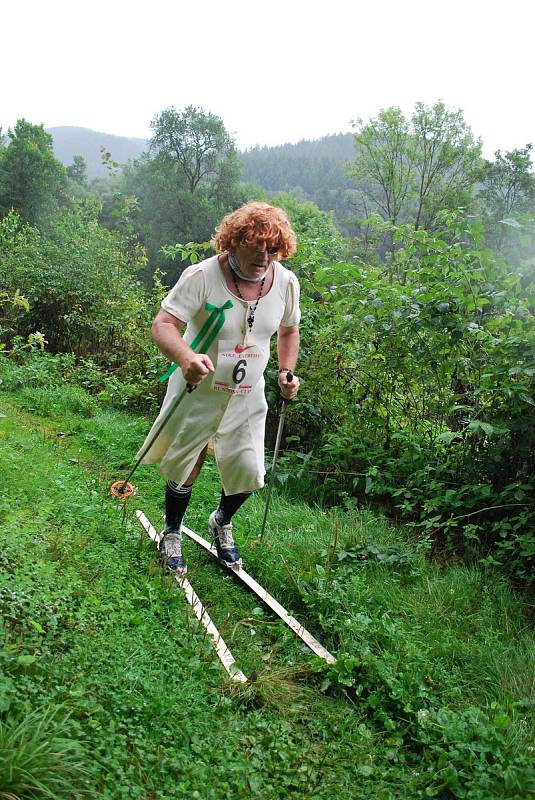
[419, 392]
[36, 369]
[395, 660]
[79, 279]
[81, 291]
[57, 401]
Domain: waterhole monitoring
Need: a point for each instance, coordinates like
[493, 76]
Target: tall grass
[38, 757]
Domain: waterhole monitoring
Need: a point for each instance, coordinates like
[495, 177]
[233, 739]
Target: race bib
[239, 367]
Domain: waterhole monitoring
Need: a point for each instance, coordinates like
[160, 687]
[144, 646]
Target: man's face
[255, 260]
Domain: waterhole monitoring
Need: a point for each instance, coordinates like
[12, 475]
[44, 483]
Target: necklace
[252, 309]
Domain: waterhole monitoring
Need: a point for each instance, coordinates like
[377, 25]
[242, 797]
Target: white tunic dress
[236, 422]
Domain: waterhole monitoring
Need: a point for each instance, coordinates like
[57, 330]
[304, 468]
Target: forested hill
[312, 170]
[70, 141]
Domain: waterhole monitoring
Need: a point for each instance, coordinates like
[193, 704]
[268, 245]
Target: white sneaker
[171, 549]
[226, 549]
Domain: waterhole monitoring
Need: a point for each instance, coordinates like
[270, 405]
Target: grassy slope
[92, 623]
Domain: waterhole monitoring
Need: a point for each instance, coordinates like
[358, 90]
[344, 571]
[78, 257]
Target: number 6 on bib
[239, 371]
[239, 367]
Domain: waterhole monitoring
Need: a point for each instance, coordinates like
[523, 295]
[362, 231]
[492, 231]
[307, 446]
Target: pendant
[250, 318]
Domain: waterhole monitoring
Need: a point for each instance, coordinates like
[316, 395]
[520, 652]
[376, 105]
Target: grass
[432, 696]
[38, 757]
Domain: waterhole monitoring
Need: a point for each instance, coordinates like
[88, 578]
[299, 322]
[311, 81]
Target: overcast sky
[276, 71]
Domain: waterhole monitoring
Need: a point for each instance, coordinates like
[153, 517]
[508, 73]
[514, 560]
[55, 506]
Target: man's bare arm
[166, 332]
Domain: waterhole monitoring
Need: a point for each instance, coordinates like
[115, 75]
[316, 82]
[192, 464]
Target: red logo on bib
[240, 348]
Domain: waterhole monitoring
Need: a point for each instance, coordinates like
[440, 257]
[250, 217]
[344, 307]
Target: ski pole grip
[289, 379]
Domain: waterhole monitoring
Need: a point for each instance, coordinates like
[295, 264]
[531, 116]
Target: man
[231, 305]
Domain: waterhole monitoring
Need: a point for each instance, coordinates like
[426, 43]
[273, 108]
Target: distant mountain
[287, 165]
[70, 141]
[311, 170]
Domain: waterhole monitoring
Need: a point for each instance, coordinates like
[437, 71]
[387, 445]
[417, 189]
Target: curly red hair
[256, 223]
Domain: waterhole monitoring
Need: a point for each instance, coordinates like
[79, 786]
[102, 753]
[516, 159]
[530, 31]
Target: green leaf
[486, 427]
[502, 721]
[26, 660]
[448, 436]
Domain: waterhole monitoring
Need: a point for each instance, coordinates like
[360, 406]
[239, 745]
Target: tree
[32, 180]
[185, 183]
[447, 161]
[77, 171]
[409, 170]
[508, 194]
[383, 168]
[194, 142]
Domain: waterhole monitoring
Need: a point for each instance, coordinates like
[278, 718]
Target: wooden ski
[225, 656]
[270, 601]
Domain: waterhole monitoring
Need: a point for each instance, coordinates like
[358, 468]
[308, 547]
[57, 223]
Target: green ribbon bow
[217, 319]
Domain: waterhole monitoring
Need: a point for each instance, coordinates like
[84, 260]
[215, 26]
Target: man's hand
[166, 331]
[288, 389]
[195, 367]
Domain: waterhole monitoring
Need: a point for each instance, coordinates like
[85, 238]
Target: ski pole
[289, 379]
[123, 489]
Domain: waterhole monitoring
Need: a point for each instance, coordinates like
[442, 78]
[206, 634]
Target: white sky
[275, 71]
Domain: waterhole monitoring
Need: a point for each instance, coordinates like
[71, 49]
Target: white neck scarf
[234, 264]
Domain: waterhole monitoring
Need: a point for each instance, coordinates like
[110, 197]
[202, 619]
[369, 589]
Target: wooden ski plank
[224, 654]
[270, 601]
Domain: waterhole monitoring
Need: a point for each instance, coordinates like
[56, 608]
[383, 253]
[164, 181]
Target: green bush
[79, 279]
[80, 290]
[418, 392]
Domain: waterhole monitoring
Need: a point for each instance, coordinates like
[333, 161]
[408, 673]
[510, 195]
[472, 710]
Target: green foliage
[38, 756]
[508, 185]
[186, 182]
[77, 171]
[382, 165]
[81, 284]
[32, 180]
[418, 391]
[508, 194]
[409, 170]
[12, 307]
[313, 228]
[432, 694]
[191, 253]
[194, 142]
